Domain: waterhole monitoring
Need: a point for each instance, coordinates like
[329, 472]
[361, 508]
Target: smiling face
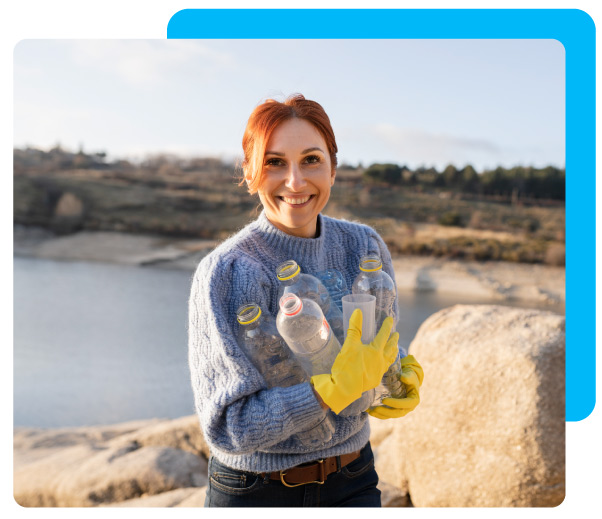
[297, 177]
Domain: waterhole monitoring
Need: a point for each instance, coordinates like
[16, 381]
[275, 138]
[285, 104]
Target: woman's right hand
[358, 367]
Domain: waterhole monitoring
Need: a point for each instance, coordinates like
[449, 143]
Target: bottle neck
[288, 271]
[249, 315]
[371, 263]
[290, 305]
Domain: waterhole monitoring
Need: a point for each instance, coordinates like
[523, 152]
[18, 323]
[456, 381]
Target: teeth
[296, 201]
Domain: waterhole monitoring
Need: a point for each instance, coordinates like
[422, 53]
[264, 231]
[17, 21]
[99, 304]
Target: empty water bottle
[304, 328]
[292, 280]
[302, 325]
[373, 280]
[336, 285]
[269, 353]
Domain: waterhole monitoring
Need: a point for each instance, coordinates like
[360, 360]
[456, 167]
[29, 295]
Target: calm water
[100, 344]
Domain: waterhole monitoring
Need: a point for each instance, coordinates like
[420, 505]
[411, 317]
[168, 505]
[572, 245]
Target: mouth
[297, 201]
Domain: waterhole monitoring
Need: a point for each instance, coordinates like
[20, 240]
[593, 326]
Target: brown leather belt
[316, 472]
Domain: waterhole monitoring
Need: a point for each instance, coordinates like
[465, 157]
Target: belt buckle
[320, 482]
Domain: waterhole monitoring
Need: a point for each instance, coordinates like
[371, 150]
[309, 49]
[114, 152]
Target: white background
[148, 19]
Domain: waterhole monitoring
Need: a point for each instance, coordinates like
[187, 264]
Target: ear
[332, 175]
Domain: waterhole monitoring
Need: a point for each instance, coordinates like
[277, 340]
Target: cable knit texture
[247, 425]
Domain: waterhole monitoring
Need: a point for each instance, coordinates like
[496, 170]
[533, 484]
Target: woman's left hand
[411, 375]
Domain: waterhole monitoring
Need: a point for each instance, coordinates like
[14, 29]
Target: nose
[295, 180]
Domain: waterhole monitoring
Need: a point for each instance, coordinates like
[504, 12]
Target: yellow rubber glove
[411, 375]
[358, 367]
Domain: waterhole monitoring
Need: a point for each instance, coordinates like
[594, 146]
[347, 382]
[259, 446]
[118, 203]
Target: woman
[290, 161]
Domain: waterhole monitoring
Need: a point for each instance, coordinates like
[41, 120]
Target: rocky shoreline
[438, 456]
[143, 463]
[536, 284]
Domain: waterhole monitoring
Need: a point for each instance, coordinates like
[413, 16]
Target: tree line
[519, 181]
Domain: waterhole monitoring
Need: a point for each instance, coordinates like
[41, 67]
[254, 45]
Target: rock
[379, 430]
[490, 429]
[68, 213]
[181, 433]
[25, 438]
[181, 497]
[389, 460]
[424, 282]
[195, 499]
[32, 444]
[84, 475]
[393, 497]
[36, 483]
[69, 206]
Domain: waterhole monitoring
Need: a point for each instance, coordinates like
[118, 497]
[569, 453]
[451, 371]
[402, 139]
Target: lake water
[100, 343]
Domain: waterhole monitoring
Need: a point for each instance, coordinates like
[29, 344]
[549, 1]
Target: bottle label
[325, 330]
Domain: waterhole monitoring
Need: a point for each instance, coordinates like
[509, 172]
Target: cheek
[326, 187]
[264, 191]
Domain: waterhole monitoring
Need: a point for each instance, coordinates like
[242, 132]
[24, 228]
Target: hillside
[200, 198]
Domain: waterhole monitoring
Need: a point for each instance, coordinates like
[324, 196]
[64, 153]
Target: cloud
[146, 62]
[385, 142]
[422, 146]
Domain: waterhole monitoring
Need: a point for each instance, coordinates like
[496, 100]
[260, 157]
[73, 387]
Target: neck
[310, 230]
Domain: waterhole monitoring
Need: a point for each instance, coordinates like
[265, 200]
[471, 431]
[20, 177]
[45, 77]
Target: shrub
[450, 218]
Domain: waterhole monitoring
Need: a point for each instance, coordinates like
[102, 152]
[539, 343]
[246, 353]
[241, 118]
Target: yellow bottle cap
[253, 319]
[291, 276]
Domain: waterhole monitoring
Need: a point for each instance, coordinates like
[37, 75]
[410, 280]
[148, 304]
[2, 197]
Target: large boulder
[490, 428]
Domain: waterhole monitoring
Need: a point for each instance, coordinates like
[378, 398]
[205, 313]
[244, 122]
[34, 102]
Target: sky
[412, 102]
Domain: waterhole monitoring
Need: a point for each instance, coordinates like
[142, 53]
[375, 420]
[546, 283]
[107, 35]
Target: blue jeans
[353, 485]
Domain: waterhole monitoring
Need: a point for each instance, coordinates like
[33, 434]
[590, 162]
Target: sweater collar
[293, 247]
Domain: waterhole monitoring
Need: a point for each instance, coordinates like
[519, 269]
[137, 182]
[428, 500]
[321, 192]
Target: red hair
[264, 120]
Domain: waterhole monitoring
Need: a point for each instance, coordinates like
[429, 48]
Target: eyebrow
[308, 150]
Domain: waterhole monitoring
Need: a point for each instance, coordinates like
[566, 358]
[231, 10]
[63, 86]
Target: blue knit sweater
[247, 425]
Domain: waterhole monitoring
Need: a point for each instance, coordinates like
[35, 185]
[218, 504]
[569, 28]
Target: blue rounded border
[572, 27]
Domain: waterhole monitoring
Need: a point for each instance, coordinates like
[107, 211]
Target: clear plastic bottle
[306, 331]
[336, 285]
[304, 328]
[269, 353]
[306, 286]
[373, 280]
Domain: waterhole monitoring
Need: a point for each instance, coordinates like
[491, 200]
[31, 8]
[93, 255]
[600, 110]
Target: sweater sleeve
[237, 412]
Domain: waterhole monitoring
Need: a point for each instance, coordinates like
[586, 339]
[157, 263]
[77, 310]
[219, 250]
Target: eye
[273, 161]
[312, 159]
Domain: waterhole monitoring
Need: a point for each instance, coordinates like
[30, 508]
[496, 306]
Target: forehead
[295, 134]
